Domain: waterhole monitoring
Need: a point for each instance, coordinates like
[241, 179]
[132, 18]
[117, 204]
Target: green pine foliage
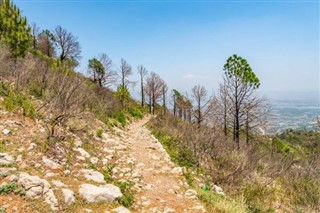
[14, 30]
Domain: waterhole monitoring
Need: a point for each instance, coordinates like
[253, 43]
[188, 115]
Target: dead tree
[110, 76]
[68, 45]
[154, 87]
[124, 73]
[164, 92]
[199, 93]
[66, 98]
[142, 72]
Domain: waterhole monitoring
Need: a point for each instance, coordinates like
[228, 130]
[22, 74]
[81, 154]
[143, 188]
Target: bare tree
[256, 116]
[154, 90]
[66, 99]
[142, 72]
[68, 45]
[199, 93]
[125, 72]
[164, 92]
[110, 76]
[223, 106]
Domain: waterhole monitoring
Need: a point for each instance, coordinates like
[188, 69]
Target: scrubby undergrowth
[272, 173]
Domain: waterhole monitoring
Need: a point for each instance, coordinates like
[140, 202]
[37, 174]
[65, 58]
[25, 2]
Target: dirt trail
[164, 188]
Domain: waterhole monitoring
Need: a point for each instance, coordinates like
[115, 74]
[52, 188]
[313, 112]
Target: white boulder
[92, 193]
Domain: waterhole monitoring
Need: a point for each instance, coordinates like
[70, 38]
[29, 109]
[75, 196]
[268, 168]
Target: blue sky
[188, 42]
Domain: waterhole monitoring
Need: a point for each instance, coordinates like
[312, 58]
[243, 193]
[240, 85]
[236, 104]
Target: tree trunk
[142, 93]
[247, 128]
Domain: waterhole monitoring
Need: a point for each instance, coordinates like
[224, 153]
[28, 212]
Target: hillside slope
[91, 169]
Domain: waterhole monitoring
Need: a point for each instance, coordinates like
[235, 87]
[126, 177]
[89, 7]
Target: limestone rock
[83, 152]
[218, 189]
[177, 171]
[50, 163]
[4, 172]
[168, 210]
[34, 192]
[32, 146]
[28, 181]
[19, 159]
[51, 199]
[190, 193]
[58, 183]
[93, 193]
[68, 196]
[94, 160]
[121, 209]
[35, 186]
[6, 159]
[93, 175]
[6, 131]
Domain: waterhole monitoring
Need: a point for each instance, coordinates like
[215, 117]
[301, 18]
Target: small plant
[10, 165]
[107, 174]
[128, 197]
[91, 166]
[99, 133]
[20, 191]
[121, 118]
[7, 188]
[2, 145]
[136, 113]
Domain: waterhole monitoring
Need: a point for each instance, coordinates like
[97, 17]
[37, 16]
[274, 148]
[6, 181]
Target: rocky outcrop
[92, 193]
[36, 188]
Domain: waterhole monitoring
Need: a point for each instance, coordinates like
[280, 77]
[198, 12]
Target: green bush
[136, 113]
[15, 101]
[186, 158]
[28, 108]
[121, 118]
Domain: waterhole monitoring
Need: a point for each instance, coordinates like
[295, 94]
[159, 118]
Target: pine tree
[14, 30]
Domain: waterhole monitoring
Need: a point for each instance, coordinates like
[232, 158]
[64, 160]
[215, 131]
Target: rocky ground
[86, 170]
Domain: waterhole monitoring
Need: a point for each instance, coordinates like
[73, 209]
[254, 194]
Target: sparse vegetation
[256, 176]
[215, 138]
[128, 195]
[99, 133]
